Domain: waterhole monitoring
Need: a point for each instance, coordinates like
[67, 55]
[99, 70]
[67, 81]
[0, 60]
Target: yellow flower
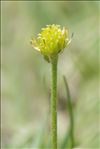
[51, 41]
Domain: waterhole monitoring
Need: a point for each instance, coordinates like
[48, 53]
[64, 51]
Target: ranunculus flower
[51, 41]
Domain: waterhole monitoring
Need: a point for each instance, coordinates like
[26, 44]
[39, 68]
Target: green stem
[70, 107]
[54, 102]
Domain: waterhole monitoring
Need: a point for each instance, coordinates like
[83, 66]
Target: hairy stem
[54, 103]
[70, 107]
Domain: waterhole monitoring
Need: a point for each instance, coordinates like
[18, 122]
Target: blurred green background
[25, 84]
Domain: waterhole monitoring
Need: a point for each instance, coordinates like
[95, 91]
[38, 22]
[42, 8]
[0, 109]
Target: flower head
[51, 41]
